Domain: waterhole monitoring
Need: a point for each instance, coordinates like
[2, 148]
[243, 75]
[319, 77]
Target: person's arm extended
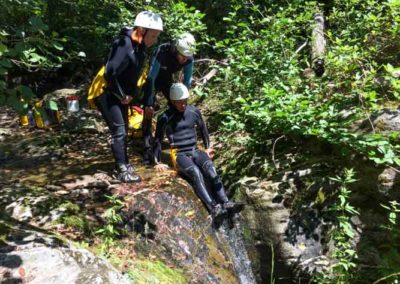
[149, 90]
[117, 62]
[187, 74]
[203, 129]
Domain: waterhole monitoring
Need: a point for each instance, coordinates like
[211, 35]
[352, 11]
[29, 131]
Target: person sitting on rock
[179, 122]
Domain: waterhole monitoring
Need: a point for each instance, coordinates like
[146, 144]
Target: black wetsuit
[192, 163]
[123, 68]
[163, 66]
[160, 79]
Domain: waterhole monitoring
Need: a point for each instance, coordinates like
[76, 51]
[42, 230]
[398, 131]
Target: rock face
[29, 256]
[291, 241]
[387, 120]
[292, 219]
[174, 224]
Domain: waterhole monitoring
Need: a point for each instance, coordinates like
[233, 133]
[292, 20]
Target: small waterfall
[230, 234]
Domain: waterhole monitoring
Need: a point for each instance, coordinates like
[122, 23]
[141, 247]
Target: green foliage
[266, 92]
[74, 218]
[390, 261]
[26, 45]
[149, 271]
[111, 231]
[40, 37]
[179, 18]
[344, 254]
[75, 222]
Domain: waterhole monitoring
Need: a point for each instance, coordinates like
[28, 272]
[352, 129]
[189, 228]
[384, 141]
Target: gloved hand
[126, 100]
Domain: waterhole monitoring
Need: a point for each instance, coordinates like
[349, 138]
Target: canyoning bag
[135, 119]
[42, 115]
[97, 87]
[46, 114]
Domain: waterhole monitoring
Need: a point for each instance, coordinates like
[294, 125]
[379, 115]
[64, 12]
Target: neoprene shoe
[126, 174]
[233, 207]
[218, 212]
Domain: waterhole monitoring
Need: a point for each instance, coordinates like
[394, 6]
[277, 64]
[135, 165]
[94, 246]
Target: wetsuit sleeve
[149, 90]
[160, 131]
[203, 129]
[187, 74]
[117, 62]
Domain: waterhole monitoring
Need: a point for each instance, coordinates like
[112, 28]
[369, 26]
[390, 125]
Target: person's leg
[148, 141]
[188, 169]
[115, 115]
[202, 160]
[147, 132]
[165, 91]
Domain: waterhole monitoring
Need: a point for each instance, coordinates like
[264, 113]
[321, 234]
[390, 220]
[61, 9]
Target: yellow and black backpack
[97, 87]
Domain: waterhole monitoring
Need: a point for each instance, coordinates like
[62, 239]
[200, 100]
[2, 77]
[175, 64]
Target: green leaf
[5, 62]
[14, 102]
[3, 71]
[3, 49]
[26, 92]
[52, 105]
[37, 23]
[397, 161]
[58, 46]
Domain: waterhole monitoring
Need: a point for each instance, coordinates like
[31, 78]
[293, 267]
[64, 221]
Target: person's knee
[119, 133]
[193, 173]
[209, 169]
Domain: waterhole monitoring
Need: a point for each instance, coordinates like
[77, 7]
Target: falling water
[231, 236]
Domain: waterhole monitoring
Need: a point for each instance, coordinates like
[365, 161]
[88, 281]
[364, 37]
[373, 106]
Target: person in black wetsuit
[124, 67]
[179, 123]
[169, 59]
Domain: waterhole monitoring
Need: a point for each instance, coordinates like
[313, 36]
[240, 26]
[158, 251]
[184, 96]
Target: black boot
[218, 215]
[233, 207]
[217, 211]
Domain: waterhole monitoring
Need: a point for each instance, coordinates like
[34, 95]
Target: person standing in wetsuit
[124, 67]
[179, 123]
[169, 59]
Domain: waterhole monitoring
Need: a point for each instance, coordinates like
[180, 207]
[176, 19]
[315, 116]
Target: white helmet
[185, 44]
[178, 91]
[149, 20]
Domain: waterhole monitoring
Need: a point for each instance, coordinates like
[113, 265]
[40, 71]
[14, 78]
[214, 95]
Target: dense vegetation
[262, 50]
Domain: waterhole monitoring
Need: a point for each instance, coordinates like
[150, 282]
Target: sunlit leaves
[264, 57]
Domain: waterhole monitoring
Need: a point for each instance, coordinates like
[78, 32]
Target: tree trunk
[318, 45]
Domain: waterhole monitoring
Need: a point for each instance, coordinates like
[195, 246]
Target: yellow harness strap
[143, 75]
[173, 154]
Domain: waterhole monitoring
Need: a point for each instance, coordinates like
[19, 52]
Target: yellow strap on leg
[172, 154]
